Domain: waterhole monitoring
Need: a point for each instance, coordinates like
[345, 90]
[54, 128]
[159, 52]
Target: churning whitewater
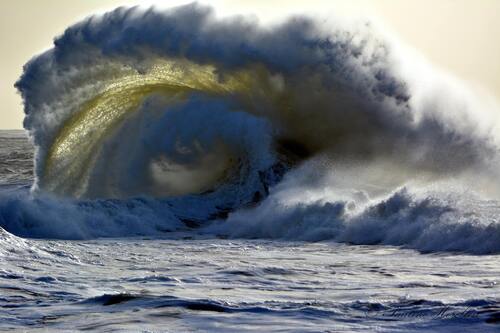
[151, 122]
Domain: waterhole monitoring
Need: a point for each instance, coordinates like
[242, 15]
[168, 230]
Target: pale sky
[460, 36]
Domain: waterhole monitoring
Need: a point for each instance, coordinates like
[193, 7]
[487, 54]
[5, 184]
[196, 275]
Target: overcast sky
[461, 36]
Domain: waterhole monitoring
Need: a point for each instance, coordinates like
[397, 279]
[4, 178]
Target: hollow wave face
[188, 109]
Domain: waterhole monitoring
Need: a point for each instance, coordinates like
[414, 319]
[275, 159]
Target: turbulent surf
[149, 121]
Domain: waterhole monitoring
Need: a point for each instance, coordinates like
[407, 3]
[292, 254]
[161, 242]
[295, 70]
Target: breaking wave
[148, 120]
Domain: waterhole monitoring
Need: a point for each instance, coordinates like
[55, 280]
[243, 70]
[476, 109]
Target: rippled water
[16, 158]
[190, 282]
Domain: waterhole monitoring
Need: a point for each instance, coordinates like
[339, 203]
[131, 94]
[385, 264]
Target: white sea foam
[148, 120]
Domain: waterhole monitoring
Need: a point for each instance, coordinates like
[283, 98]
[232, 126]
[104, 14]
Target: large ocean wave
[147, 121]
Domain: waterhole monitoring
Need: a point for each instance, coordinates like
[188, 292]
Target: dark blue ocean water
[194, 281]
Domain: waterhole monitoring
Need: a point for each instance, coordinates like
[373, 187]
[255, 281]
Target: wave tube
[197, 113]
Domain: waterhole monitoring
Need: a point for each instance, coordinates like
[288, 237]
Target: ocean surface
[191, 281]
[191, 172]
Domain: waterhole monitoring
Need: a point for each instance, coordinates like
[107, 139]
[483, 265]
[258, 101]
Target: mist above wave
[148, 120]
[142, 92]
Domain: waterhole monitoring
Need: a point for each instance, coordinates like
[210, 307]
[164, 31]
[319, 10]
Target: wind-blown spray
[185, 109]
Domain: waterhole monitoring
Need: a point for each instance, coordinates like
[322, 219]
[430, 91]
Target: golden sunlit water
[76, 146]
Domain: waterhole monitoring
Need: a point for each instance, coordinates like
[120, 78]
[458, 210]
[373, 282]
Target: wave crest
[199, 116]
